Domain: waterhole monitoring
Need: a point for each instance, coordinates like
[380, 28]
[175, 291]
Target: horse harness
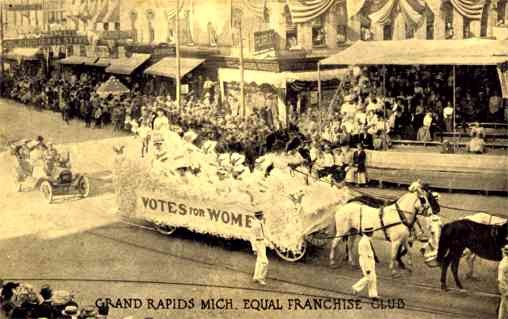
[403, 220]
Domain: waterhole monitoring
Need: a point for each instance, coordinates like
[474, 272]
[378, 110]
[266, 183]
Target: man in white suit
[367, 259]
[259, 248]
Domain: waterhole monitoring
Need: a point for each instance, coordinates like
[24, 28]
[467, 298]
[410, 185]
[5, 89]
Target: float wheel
[47, 191]
[291, 256]
[165, 230]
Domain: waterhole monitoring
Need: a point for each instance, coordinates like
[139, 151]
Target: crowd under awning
[279, 79]
[167, 67]
[78, 60]
[27, 54]
[422, 52]
[126, 66]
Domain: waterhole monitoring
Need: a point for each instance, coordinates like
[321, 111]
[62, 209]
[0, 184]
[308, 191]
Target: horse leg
[444, 270]
[407, 252]
[395, 250]
[455, 269]
[470, 258]
[333, 247]
[350, 245]
[401, 253]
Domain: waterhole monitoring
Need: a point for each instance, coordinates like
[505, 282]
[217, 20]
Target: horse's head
[430, 200]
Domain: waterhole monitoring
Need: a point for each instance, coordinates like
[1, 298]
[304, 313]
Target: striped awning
[167, 67]
[125, 66]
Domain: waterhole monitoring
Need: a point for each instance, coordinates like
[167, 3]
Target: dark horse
[483, 240]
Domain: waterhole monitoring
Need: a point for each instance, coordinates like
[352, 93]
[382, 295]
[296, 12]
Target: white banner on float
[219, 219]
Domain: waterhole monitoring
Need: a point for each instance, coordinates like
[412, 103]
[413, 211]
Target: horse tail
[443, 246]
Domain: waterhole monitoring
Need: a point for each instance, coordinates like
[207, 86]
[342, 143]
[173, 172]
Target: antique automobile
[51, 174]
[65, 183]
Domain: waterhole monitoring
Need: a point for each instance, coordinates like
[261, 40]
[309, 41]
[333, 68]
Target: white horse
[392, 223]
[481, 218]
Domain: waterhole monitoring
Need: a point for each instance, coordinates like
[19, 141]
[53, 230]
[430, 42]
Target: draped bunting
[308, 10]
[471, 9]
[113, 14]
[354, 7]
[411, 9]
[256, 7]
[383, 15]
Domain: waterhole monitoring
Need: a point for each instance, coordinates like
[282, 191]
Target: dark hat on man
[259, 214]
[368, 230]
[46, 292]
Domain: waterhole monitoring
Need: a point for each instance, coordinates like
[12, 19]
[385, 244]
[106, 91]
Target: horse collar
[402, 216]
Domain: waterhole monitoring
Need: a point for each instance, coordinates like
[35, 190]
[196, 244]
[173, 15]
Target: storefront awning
[30, 54]
[167, 67]
[125, 66]
[77, 60]
[99, 62]
[278, 79]
[422, 52]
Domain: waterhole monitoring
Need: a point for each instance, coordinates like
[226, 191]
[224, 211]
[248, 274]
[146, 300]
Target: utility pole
[177, 51]
[242, 84]
[2, 48]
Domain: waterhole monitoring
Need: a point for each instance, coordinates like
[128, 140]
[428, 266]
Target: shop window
[502, 7]
[466, 31]
[430, 27]
[291, 30]
[82, 50]
[388, 31]
[410, 30]
[341, 23]
[318, 32]
[365, 33]
[133, 17]
[447, 9]
[150, 16]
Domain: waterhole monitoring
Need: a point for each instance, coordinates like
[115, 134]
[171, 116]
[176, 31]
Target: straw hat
[70, 311]
[61, 297]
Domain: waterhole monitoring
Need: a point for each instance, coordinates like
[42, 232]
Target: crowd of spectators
[417, 102]
[76, 97]
[21, 300]
[413, 103]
